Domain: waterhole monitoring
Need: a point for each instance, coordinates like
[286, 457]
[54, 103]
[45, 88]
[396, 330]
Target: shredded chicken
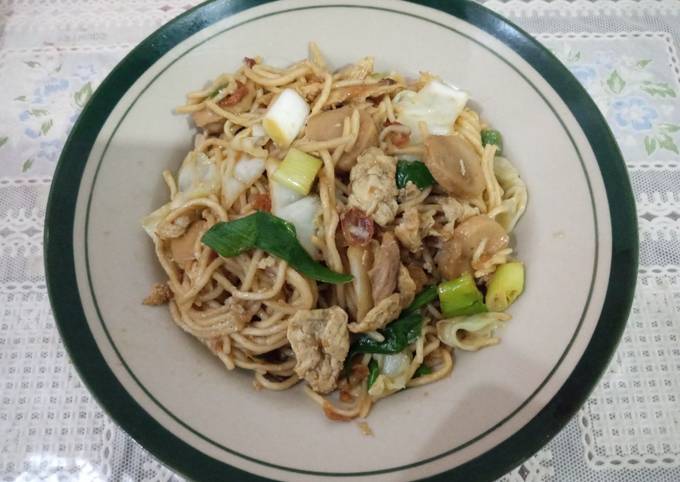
[237, 317]
[372, 186]
[174, 229]
[413, 226]
[406, 287]
[383, 274]
[320, 341]
[356, 71]
[206, 117]
[418, 276]
[407, 230]
[379, 316]
[160, 294]
[455, 212]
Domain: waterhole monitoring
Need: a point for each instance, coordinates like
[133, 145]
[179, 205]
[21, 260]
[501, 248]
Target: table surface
[53, 54]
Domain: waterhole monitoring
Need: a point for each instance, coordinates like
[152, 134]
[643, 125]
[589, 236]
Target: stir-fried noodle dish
[344, 228]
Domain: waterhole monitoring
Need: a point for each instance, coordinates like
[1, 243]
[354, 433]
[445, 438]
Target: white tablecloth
[53, 53]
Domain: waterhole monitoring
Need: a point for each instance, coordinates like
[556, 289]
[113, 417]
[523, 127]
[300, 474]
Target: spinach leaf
[398, 335]
[271, 234]
[373, 372]
[414, 171]
[422, 370]
[428, 295]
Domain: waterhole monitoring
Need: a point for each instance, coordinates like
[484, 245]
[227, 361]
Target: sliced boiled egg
[438, 104]
[286, 117]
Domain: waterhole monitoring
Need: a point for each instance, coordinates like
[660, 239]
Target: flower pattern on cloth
[54, 54]
[636, 91]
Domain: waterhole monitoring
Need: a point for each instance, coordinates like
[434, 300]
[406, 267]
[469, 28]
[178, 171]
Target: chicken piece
[379, 316]
[206, 117]
[453, 258]
[407, 230]
[357, 71]
[372, 186]
[385, 270]
[160, 294]
[320, 341]
[406, 287]
[455, 212]
[175, 228]
[418, 276]
[455, 165]
[236, 317]
[368, 137]
[413, 227]
[182, 248]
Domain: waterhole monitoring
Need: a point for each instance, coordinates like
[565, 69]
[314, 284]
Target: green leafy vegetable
[492, 136]
[373, 372]
[414, 171]
[428, 295]
[460, 297]
[422, 370]
[398, 335]
[271, 234]
[505, 286]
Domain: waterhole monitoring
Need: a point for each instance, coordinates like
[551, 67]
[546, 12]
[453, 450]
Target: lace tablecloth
[53, 53]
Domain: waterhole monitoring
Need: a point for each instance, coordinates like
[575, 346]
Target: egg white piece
[438, 104]
[285, 117]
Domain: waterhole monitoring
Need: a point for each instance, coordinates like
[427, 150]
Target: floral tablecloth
[53, 54]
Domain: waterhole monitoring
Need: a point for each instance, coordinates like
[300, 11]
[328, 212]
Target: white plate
[577, 238]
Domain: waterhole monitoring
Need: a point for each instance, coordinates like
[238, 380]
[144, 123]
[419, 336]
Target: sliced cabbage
[514, 193]
[303, 215]
[246, 171]
[438, 104]
[151, 221]
[199, 176]
[395, 372]
[471, 333]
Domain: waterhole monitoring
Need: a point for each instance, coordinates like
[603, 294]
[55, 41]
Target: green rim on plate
[95, 372]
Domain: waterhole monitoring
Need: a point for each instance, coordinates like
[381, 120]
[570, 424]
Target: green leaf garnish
[414, 171]
[428, 295]
[271, 234]
[373, 372]
[398, 335]
[492, 136]
[422, 370]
